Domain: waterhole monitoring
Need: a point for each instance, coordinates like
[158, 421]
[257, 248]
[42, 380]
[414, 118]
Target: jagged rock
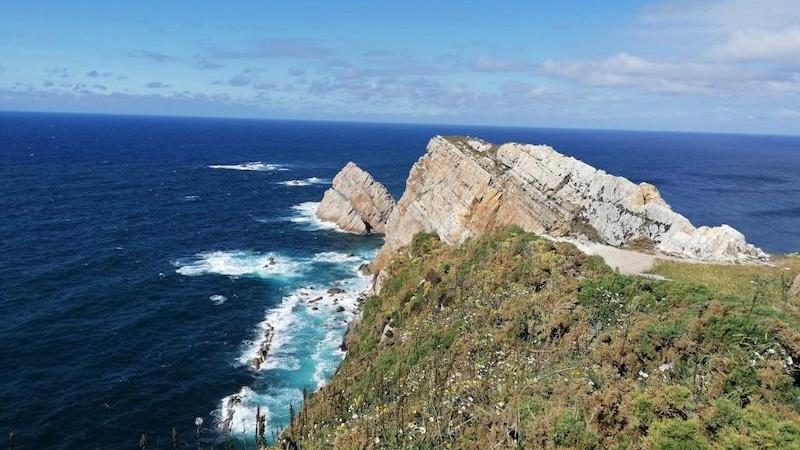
[263, 348]
[795, 289]
[356, 202]
[466, 186]
[387, 333]
[336, 290]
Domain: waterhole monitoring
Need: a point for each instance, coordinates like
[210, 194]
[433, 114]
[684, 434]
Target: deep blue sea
[135, 256]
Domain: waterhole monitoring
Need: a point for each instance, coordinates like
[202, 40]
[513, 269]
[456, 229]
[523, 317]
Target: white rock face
[464, 186]
[356, 202]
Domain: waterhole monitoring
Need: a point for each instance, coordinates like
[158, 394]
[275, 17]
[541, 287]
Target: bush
[676, 434]
[423, 243]
[571, 431]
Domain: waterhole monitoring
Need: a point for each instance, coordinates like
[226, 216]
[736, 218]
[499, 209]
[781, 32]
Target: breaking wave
[305, 182]
[238, 263]
[255, 166]
[306, 214]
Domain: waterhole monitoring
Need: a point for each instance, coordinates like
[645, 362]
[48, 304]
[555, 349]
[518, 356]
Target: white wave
[191, 198]
[218, 299]
[238, 263]
[237, 412]
[336, 257]
[280, 321]
[305, 182]
[326, 357]
[255, 166]
[306, 214]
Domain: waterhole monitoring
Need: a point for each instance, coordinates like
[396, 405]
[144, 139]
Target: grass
[512, 341]
[734, 280]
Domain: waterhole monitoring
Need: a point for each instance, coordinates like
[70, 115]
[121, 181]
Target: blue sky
[704, 65]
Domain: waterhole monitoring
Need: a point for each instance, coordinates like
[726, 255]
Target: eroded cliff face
[356, 202]
[466, 186]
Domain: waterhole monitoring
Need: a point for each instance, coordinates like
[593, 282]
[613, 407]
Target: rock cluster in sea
[356, 202]
[466, 186]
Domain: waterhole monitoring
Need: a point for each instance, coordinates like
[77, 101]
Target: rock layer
[356, 202]
[465, 186]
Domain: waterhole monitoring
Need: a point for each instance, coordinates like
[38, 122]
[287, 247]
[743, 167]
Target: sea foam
[255, 166]
[306, 214]
[239, 263]
[305, 182]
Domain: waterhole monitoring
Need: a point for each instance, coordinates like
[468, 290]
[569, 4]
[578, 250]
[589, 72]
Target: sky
[695, 65]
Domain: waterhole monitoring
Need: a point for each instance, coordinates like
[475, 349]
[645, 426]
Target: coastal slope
[511, 341]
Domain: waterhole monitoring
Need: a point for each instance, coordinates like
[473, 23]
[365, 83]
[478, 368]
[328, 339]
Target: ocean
[142, 259]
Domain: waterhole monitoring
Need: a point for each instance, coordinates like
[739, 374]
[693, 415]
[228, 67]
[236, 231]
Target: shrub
[571, 431]
[676, 434]
[423, 243]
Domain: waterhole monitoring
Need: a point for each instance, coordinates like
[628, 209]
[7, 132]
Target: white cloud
[789, 113]
[625, 70]
[761, 45]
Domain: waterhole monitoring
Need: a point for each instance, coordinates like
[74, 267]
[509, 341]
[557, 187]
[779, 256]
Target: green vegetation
[511, 341]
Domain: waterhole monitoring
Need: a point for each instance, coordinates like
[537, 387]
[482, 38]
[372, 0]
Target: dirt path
[628, 262]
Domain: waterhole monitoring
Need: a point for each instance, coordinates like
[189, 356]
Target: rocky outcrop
[356, 202]
[466, 186]
[795, 289]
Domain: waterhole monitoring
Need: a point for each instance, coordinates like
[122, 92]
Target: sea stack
[466, 186]
[356, 202]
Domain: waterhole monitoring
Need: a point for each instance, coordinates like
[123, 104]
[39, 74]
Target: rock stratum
[465, 186]
[356, 202]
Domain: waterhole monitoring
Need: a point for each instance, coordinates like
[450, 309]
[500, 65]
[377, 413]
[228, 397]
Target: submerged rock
[356, 202]
[466, 186]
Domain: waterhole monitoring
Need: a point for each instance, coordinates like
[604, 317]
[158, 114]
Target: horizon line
[389, 122]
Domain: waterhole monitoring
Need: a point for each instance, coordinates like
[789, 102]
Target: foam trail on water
[306, 214]
[237, 412]
[255, 166]
[238, 263]
[278, 322]
[305, 182]
[336, 257]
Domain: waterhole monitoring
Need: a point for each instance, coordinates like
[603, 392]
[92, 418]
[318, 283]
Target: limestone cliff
[356, 202]
[465, 186]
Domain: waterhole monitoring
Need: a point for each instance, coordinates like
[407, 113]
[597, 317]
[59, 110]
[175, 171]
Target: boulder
[356, 202]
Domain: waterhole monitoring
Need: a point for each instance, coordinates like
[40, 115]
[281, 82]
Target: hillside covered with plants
[513, 341]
